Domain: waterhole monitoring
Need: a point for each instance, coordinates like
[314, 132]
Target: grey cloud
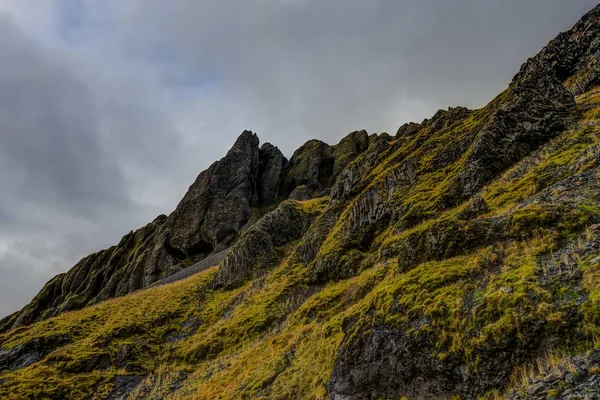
[322, 68]
[71, 152]
[48, 123]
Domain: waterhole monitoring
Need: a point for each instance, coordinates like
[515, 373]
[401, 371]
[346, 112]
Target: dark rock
[477, 206]
[408, 130]
[347, 150]
[562, 380]
[534, 109]
[86, 364]
[223, 202]
[315, 166]
[30, 352]
[380, 361]
[124, 355]
[575, 55]
[269, 173]
[124, 385]
[212, 214]
[218, 204]
[310, 166]
[108, 273]
[187, 328]
[445, 239]
[443, 119]
[538, 388]
[256, 251]
[537, 104]
[301, 193]
[373, 215]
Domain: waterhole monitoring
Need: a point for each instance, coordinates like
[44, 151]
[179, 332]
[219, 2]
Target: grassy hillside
[519, 274]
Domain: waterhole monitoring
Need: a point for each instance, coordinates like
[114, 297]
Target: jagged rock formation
[315, 166]
[219, 206]
[269, 174]
[112, 272]
[438, 263]
[478, 144]
[257, 250]
[382, 361]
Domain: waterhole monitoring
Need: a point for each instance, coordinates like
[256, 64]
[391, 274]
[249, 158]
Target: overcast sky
[110, 108]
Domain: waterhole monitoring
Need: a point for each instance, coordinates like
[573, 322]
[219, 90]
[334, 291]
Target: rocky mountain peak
[574, 56]
[269, 174]
[222, 203]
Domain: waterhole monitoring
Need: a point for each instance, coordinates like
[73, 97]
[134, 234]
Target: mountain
[223, 202]
[458, 259]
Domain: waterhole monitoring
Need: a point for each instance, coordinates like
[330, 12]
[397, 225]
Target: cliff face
[443, 262]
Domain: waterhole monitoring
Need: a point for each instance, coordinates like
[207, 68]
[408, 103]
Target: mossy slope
[443, 263]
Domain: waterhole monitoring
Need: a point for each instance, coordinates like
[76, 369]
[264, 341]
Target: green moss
[468, 303]
[141, 321]
[531, 218]
[527, 220]
[591, 307]
[550, 165]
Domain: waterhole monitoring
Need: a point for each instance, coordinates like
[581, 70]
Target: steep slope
[445, 262]
[224, 201]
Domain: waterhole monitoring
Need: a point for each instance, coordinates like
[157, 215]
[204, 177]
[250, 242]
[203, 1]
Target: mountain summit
[458, 259]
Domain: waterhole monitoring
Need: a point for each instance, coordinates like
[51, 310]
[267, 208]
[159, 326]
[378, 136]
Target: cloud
[109, 109]
[75, 149]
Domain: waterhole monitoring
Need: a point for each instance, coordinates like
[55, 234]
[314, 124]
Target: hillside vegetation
[458, 259]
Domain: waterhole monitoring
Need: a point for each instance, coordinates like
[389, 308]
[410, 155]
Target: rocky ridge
[223, 202]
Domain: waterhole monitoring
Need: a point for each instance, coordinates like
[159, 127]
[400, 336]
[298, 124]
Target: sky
[109, 109]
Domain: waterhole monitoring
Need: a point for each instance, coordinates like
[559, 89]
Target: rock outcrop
[575, 377]
[223, 202]
[575, 55]
[259, 248]
[269, 174]
[315, 166]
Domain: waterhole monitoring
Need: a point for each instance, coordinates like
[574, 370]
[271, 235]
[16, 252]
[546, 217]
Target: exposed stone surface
[382, 360]
[125, 385]
[269, 173]
[575, 55]
[310, 167]
[30, 352]
[477, 206]
[257, 249]
[218, 204]
[315, 166]
[574, 378]
[108, 273]
[480, 145]
[385, 362]
[535, 108]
